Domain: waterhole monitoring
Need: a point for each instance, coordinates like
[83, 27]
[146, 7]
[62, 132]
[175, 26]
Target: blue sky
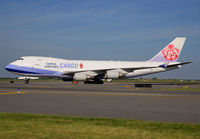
[132, 30]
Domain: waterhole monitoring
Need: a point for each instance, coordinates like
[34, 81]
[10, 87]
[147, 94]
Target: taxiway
[171, 103]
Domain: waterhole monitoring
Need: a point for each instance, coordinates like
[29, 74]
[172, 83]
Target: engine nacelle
[112, 74]
[80, 76]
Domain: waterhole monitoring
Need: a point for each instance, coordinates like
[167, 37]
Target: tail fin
[171, 52]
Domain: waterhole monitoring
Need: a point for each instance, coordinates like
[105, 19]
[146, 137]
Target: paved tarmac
[172, 103]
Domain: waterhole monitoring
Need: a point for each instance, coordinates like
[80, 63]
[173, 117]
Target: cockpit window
[20, 58]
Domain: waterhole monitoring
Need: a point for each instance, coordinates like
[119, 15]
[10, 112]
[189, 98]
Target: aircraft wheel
[94, 82]
[26, 81]
[85, 82]
[99, 82]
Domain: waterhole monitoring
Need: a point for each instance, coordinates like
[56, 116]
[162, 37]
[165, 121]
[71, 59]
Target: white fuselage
[55, 67]
[94, 71]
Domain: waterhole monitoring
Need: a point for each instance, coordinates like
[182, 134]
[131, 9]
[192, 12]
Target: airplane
[94, 72]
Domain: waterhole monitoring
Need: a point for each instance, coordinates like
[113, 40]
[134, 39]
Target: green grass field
[46, 126]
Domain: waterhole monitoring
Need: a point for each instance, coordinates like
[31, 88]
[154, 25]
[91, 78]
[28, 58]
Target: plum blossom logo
[81, 65]
[170, 53]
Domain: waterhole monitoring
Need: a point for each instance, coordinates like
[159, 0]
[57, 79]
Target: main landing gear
[26, 81]
[94, 82]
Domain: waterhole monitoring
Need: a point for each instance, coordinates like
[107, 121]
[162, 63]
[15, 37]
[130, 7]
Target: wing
[99, 73]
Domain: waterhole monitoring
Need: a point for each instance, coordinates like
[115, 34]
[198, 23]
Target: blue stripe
[28, 70]
[163, 66]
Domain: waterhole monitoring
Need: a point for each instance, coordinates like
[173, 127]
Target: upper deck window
[20, 58]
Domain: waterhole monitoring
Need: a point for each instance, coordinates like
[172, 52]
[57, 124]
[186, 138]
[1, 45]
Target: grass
[46, 126]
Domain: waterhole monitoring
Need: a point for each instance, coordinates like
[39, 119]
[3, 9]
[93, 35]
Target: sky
[126, 30]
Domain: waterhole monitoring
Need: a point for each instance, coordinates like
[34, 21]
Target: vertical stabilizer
[171, 52]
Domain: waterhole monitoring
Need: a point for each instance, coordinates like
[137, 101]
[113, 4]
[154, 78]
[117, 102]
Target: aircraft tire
[94, 82]
[26, 81]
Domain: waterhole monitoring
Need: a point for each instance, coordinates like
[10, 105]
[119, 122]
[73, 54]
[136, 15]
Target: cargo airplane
[93, 72]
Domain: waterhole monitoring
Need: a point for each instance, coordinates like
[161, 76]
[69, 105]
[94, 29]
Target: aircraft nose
[9, 67]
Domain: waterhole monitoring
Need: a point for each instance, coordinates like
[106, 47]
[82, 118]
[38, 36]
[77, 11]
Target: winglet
[171, 52]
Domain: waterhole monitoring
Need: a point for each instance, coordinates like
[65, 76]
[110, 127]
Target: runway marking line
[11, 93]
[101, 94]
[167, 89]
[139, 94]
[126, 86]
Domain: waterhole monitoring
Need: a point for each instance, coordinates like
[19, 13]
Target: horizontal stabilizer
[172, 65]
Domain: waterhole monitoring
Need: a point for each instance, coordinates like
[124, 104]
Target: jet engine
[113, 74]
[80, 76]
